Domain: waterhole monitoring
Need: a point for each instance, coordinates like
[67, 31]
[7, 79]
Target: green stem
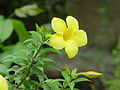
[28, 68]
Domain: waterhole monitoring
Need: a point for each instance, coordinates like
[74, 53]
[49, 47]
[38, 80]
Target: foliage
[114, 82]
[23, 63]
[28, 63]
[28, 10]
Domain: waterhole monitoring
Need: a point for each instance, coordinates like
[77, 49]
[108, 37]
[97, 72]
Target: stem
[28, 68]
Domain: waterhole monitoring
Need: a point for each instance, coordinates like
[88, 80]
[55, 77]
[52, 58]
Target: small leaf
[46, 50]
[45, 86]
[81, 80]
[73, 73]
[65, 75]
[39, 29]
[38, 72]
[14, 68]
[3, 69]
[65, 84]
[36, 35]
[22, 68]
[71, 85]
[47, 60]
[67, 69]
[51, 66]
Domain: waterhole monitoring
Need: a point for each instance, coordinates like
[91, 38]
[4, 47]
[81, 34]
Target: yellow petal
[71, 48]
[80, 37]
[57, 41]
[58, 25]
[3, 83]
[72, 23]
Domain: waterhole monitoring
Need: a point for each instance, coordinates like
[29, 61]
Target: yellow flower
[67, 36]
[3, 83]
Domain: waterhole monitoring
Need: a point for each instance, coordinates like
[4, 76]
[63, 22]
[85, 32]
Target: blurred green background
[99, 18]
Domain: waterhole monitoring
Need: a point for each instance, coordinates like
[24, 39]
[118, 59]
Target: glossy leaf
[6, 29]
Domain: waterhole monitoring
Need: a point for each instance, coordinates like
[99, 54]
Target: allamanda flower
[3, 83]
[67, 35]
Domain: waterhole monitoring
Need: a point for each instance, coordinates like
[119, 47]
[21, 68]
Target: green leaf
[20, 30]
[37, 36]
[21, 69]
[16, 59]
[73, 73]
[6, 29]
[71, 85]
[1, 17]
[14, 68]
[46, 50]
[39, 29]
[51, 66]
[81, 80]
[38, 72]
[65, 84]
[45, 86]
[65, 75]
[53, 80]
[29, 83]
[54, 83]
[28, 10]
[47, 60]
[67, 69]
[3, 69]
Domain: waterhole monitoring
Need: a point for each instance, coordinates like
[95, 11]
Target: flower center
[67, 35]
